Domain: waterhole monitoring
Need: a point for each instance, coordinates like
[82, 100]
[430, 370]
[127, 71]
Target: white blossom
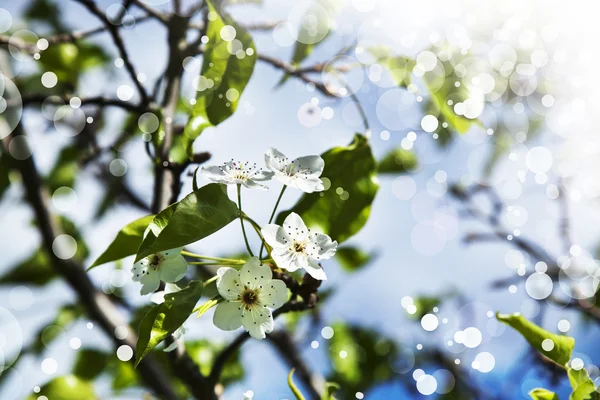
[248, 297]
[295, 246]
[167, 266]
[237, 172]
[302, 173]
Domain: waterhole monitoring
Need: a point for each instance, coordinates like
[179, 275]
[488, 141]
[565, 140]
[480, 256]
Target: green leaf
[67, 387]
[543, 394]
[424, 305]
[124, 376]
[304, 48]
[126, 243]
[352, 258]
[36, 270]
[64, 318]
[65, 170]
[90, 363]
[45, 11]
[343, 209]
[69, 60]
[583, 386]
[369, 359]
[297, 394]
[204, 352]
[398, 161]
[400, 69]
[198, 215]
[330, 388]
[164, 319]
[563, 345]
[227, 73]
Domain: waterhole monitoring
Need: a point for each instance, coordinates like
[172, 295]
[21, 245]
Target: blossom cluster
[248, 294]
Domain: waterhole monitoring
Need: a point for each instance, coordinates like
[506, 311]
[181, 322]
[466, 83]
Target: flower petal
[309, 184]
[321, 247]
[150, 281]
[262, 176]
[228, 283]
[308, 166]
[275, 236]
[276, 160]
[274, 294]
[228, 316]
[250, 184]
[315, 270]
[214, 173]
[295, 227]
[286, 259]
[173, 269]
[172, 253]
[139, 269]
[253, 273]
[258, 321]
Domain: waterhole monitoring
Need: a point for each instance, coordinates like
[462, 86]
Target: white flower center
[240, 172]
[299, 247]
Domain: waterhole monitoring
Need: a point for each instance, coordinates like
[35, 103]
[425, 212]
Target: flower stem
[211, 280]
[239, 193]
[217, 262]
[233, 260]
[262, 246]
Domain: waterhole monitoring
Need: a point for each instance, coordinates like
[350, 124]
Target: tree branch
[116, 36]
[101, 101]
[98, 305]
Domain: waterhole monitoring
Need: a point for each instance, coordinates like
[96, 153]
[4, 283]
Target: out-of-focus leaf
[65, 317]
[124, 376]
[368, 361]
[70, 229]
[164, 319]
[36, 270]
[563, 345]
[67, 387]
[126, 243]
[330, 389]
[199, 214]
[438, 105]
[398, 161]
[4, 174]
[69, 60]
[503, 141]
[543, 394]
[64, 172]
[424, 305]
[90, 363]
[399, 67]
[583, 386]
[223, 76]
[342, 209]
[352, 258]
[310, 36]
[297, 394]
[204, 352]
[45, 11]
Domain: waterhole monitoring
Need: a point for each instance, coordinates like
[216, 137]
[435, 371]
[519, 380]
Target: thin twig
[116, 36]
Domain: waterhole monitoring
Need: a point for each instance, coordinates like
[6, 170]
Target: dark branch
[116, 36]
[100, 101]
